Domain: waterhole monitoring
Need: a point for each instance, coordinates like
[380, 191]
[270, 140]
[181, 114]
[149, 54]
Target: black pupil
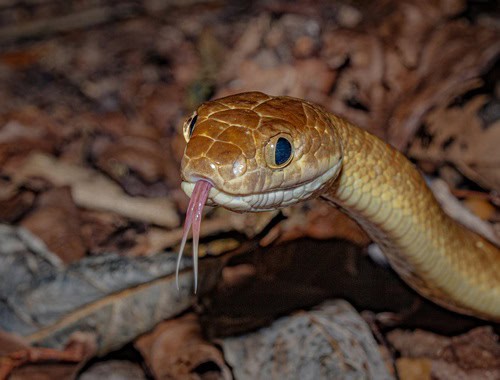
[192, 124]
[283, 151]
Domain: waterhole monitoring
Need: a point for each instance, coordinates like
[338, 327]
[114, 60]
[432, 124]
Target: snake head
[260, 152]
[254, 152]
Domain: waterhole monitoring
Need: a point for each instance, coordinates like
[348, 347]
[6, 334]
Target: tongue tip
[193, 219]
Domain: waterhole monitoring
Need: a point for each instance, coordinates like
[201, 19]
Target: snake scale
[255, 152]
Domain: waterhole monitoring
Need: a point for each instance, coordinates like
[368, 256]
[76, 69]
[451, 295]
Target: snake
[252, 152]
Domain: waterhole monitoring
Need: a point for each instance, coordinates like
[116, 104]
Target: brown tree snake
[254, 152]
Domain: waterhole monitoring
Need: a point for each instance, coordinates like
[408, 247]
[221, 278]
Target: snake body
[231, 142]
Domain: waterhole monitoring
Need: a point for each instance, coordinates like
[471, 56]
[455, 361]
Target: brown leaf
[26, 130]
[460, 213]
[403, 60]
[97, 227]
[419, 343]
[442, 370]
[317, 220]
[143, 156]
[22, 58]
[475, 354]
[175, 349]
[247, 44]
[450, 65]
[10, 342]
[134, 152]
[414, 369]
[458, 136]
[91, 190]
[310, 78]
[159, 111]
[405, 25]
[15, 206]
[479, 348]
[55, 220]
[359, 59]
[23, 362]
[481, 207]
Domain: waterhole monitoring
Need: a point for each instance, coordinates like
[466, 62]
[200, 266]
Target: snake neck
[438, 257]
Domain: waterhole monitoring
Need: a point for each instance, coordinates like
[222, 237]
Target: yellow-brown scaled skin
[370, 180]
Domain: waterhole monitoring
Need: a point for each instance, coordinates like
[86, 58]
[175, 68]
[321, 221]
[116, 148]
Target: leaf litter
[90, 143]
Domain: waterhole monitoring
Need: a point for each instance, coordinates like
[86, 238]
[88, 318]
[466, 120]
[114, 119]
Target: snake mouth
[264, 201]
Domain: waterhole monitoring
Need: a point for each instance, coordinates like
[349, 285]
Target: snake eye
[189, 125]
[279, 151]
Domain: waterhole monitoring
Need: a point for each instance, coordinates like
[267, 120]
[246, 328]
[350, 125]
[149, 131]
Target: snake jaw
[269, 200]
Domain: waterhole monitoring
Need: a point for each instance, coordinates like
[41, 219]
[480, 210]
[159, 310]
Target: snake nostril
[239, 166]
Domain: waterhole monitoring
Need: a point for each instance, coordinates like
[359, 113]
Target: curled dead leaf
[175, 349]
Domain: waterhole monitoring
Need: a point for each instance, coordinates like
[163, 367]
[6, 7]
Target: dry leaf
[318, 220]
[414, 369]
[98, 227]
[394, 68]
[14, 206]
[19, 361]
[55, 220]
[460, 213]
[475, 354]
[24, 131]
[91, 190]
[175, 349]
[116, 298]
[131, 153]
[480, 207]
[457, 135]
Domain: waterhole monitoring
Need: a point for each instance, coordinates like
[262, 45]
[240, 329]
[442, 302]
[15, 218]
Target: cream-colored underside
[265, 201]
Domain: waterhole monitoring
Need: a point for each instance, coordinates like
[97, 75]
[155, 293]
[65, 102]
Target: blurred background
[93, 95]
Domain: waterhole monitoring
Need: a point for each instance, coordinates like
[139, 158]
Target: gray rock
[330, 342]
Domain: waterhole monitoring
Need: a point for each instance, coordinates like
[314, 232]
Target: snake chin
[268, 200]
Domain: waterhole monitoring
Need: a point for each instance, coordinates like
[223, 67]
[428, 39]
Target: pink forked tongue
[193, 217]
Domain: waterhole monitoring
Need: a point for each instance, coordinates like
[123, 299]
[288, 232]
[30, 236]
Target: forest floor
[93, 96]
